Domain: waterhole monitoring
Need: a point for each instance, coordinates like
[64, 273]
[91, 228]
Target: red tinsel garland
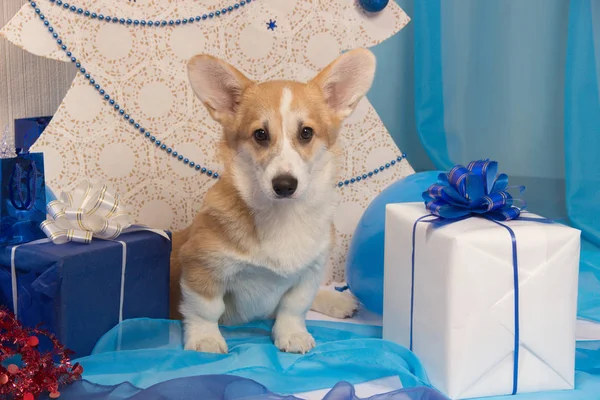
[37, 372]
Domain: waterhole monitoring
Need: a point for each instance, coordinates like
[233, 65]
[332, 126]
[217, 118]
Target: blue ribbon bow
[476, 190]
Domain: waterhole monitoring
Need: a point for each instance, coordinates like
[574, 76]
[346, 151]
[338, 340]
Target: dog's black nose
[285, 185]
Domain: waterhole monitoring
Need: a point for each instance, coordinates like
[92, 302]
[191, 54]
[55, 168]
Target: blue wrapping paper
[74, 289]
[22, 198]
[27, 131]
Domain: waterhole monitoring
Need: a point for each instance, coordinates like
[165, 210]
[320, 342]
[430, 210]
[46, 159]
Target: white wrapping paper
[463, 315]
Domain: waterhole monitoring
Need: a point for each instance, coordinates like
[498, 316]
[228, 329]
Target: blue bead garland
[370, 174]
[143, 23]
[107, 97]
[159, 143]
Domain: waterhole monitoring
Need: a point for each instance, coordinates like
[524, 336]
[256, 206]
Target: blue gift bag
[22, 198]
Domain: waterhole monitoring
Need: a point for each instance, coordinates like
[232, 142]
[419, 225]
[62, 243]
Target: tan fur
[243, 237]
[225, 222]
[260, 100]
[179, 239]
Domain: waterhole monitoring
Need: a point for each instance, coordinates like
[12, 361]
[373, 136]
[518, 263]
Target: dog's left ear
[347, 80]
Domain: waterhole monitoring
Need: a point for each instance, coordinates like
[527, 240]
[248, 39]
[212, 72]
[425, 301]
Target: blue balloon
[364, 264]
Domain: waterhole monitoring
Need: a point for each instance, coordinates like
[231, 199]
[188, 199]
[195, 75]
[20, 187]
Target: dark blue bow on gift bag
[474, 190]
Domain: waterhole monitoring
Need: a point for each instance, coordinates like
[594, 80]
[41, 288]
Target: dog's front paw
[295, 342]
[335, 304]
[206, 344]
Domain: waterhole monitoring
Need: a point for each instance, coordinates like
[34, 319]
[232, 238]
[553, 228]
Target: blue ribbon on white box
[475, 191]
[91, 210]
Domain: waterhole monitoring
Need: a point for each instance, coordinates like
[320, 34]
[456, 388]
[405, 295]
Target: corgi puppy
[259, 246]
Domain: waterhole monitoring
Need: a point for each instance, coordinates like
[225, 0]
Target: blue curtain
[517, 81]
[582, 144]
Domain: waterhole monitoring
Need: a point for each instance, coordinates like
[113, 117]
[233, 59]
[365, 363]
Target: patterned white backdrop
[144, 70]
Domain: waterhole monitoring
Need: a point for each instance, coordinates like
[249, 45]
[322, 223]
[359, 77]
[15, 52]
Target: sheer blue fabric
[490, 83]
[582, 118]
[517, 82]
[582, 144]
[145, 352]
[144, 359]
[224, 387]
[588, 302]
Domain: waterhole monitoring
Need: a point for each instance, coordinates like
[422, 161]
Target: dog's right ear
[347, 80]
[217, 84]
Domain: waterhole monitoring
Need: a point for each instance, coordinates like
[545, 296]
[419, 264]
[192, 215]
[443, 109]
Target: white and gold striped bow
[86, 212]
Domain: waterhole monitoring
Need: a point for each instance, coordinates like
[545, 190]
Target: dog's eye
[306, 133]
[260, 135]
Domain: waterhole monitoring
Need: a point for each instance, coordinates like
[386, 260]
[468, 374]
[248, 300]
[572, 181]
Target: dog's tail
[335, 304]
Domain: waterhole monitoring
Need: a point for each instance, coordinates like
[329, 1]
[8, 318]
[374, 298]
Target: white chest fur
[292, 237]
[293, 241]
[253, 293]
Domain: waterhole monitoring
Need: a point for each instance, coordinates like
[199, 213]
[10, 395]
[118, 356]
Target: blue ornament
[373, 5]
[364, 263]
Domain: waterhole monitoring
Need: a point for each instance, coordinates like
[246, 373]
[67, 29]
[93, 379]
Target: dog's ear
[346, 80]
[217, 84]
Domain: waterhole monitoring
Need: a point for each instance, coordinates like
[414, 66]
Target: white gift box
[463, 320]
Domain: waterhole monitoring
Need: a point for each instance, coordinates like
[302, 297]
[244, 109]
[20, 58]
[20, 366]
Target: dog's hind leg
[335, 304]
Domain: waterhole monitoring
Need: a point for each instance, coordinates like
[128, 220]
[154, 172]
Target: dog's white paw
[295, 342]
[335, 304]
[207, 344]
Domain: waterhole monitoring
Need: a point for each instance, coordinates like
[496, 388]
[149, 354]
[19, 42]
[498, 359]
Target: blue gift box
[75, 289]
